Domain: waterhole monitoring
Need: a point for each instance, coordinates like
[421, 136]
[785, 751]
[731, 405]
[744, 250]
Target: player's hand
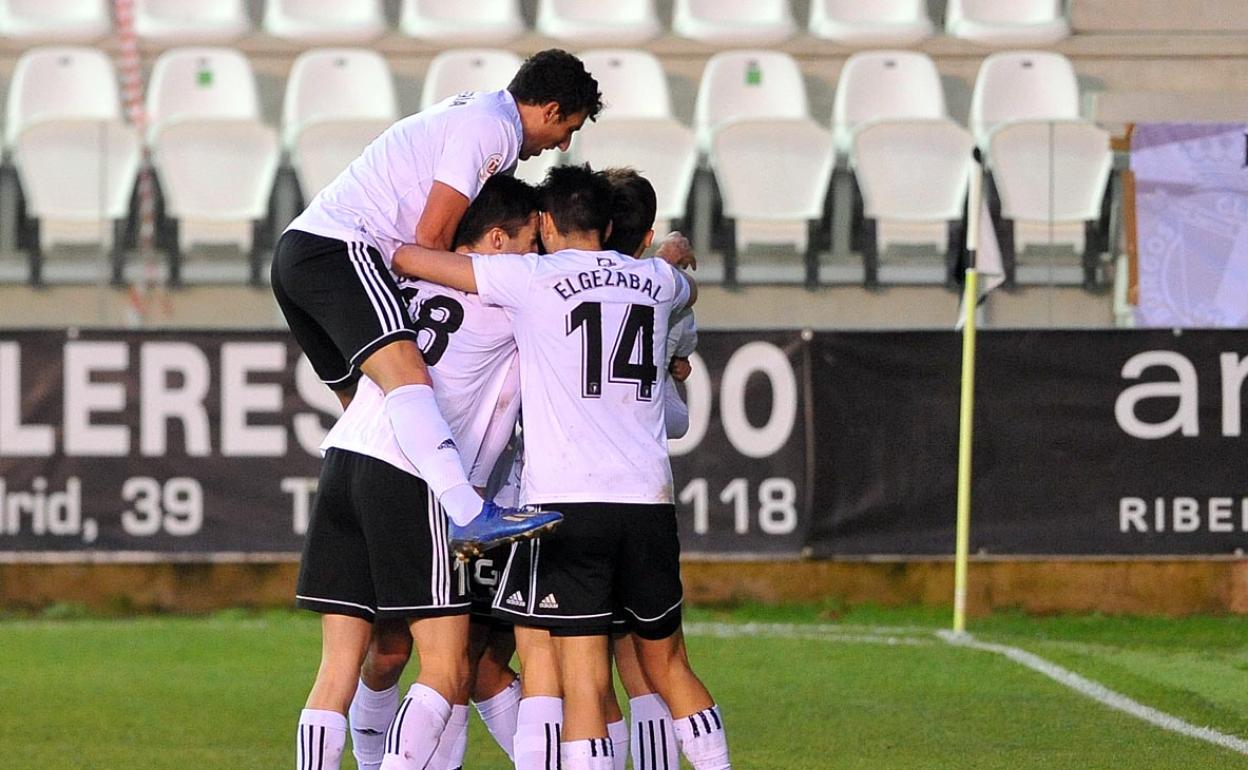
[676, 251]
[680, 369]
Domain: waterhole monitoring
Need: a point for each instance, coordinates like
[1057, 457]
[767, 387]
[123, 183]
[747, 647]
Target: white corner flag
[983, 251]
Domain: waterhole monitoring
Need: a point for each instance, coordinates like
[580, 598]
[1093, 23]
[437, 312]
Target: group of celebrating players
[415, 286]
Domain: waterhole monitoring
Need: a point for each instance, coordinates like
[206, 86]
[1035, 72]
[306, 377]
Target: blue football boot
[496, 525]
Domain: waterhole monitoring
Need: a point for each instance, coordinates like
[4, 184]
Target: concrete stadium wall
[1154, 587]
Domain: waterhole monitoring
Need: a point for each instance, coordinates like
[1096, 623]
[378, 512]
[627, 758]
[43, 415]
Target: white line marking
[1099, 692]
[918, 636]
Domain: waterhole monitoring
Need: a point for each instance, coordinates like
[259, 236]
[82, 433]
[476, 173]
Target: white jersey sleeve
[675, 410]
[504, 279]
[682, 337]
[474, 153]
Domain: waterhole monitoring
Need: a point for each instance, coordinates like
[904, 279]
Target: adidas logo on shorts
[516, 599]
[549, 603]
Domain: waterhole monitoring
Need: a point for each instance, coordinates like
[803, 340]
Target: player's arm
[693, 288]
[438, 222]
[446, 268]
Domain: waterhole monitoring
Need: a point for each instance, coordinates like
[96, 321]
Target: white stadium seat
[453, 72]
[909, 159]
[1007, 22]
[456, 22]
[325, 21]
[60, 21]
[1025, 116]
[1051, 179]
[215, 159]
[75, 157]
[633, 83]
[337, 101]
[637, 129]
[191, 21]
[734, 22]
[592, 22]
[879, 22]
[748, 84]
[773, 163]
[1022, 85]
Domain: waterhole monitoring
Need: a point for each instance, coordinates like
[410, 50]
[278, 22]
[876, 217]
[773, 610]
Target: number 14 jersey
[591, 327]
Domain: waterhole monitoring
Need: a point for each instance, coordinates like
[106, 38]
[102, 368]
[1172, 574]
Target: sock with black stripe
[320, 739]
[588, 754]
[617, 732]
[499, 714]
[652, 736]
[539, 722]
[449, 755]
[702, 741]
[370, 715]
[425, 438]
[417, 727]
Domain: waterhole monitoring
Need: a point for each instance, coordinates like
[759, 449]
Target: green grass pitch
[224, 691]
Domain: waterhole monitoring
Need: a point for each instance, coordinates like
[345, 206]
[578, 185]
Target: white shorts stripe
[384, 304]
[335, 601]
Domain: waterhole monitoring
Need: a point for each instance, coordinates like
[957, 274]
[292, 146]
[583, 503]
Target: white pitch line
[1082, 685]
[1099, 692]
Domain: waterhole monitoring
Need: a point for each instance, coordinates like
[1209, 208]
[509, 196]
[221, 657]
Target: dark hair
[633, 206]
[504, 201]
[577, 199]
[557, 76]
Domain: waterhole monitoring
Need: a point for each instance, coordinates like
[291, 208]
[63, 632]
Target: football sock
[589, 754]
[426, 441]
[412, 738]
[499, 714]
[370, 715]
[322, 734]
[653, 739]
[617, 732]
[701, 738]
[539, 721]
[449, 755]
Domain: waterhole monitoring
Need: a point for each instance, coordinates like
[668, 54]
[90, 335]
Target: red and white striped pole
[136, 109]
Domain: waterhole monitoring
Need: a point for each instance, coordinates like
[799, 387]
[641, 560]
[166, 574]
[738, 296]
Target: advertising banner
[1086, 443]
[203, 445]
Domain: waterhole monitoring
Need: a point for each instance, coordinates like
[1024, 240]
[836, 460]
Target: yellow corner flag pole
[970, 303]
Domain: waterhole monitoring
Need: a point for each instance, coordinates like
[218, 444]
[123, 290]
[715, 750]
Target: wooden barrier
[1152, 587]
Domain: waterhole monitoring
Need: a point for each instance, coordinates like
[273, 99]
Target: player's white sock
[426, 441]
[653, 739]
[321, 737]
[370, 715]
[618, 733]
[499, 714]
[702, 740]
[412, 738]
[539, 724]
[589, 754]
[454, 742]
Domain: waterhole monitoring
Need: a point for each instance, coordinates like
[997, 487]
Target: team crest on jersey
[491, 167]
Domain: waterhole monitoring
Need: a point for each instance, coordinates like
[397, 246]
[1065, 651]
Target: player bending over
[591, 326]
[471, 352]
[331, 269]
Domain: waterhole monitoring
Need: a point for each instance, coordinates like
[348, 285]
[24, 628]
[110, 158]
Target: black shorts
[480, 578]
[340, 301]
[603, 558]
[376, 548]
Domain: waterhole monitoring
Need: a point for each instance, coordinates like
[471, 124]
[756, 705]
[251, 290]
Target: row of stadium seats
[583, 22]
[216, 161]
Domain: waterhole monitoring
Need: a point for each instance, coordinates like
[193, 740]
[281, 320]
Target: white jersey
[472, 360]
[380, 197]
[592, 332]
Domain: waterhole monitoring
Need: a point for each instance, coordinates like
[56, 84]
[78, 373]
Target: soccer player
[591, 326]
[471, 352]
[331, 273]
